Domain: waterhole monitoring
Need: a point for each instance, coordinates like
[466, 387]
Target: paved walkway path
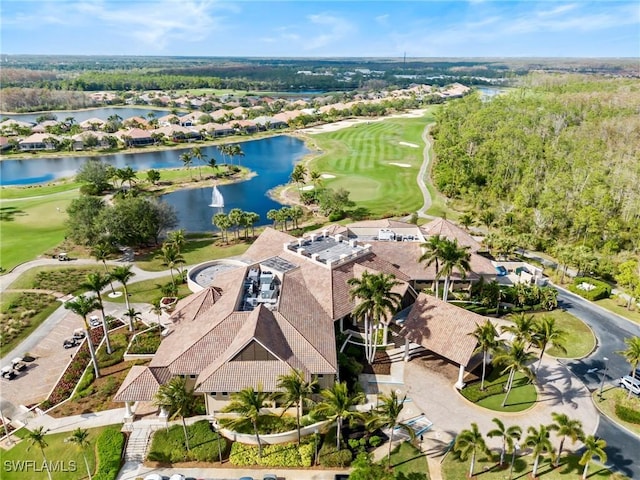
[422, 174]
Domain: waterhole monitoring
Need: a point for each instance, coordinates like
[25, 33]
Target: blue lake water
[81, 115]
[272, 159]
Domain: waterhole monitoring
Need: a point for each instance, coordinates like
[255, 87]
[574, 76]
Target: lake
[81, 115]
[272, 159]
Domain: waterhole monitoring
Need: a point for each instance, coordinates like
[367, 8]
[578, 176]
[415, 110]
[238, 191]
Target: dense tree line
[554, 163]
[13, 99]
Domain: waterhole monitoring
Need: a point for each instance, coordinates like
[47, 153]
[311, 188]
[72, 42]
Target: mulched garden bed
[381, 364]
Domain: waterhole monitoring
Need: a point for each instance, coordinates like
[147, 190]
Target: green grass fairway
[8, 193]
[579, 340]
[31, 227]
[361, 159]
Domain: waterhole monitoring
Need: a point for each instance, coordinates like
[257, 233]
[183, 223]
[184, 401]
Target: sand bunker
[403, 165]
[307, 187]
[327, 175]
[407, 144]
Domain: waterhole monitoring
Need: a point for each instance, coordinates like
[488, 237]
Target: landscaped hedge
[109, 446]
[329, 454]
[168, 445]
[279, 455]
[601, 290]
[627, 414]
[146, 342]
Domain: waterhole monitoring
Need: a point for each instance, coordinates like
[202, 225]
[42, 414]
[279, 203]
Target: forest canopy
[556, 163]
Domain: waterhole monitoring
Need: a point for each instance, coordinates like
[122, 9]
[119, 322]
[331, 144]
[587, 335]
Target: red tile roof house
[135, 137]
[38, 141]
[276, 310]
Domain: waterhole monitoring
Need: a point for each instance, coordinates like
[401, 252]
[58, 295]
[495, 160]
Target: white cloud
[332, 29]
[382, 20]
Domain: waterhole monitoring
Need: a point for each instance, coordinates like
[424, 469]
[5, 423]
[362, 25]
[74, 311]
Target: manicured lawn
[487, 469]
[522, 396]
[168, 445]
[610, 396]
[360, 157]
[619, 306]
[20, 314]
[194, 252]
[8, 193]
[579, 339]
[63, 278]
[31, 227]
[58, 452]
[148, 290]
[407, 459]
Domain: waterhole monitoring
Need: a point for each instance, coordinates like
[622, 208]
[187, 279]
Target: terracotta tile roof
[270, 243]
[442, 328]
[141, 384]
[445, 228]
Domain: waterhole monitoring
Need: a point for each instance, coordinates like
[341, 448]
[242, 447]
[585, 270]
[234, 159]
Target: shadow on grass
[8, 214]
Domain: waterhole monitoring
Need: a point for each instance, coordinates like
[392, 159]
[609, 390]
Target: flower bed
[72, 375]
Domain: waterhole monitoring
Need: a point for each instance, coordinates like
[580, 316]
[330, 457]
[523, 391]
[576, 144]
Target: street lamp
[315, 438]
[604, 375]
[516, 447]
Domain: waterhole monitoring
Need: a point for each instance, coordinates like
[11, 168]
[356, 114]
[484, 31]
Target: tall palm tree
[171, 258]
[454, 257]
[487, 338]
[505, 433]
[470, 441]
[523, 327]
[295, 390]
[96, 282]
[83, 306]
[566, 428]
[432, 249]
[122, 274]
[538, 440]
[632, 355]
[222, 221]
[514, 359]
[196, 152]
[101, 252]
[376, 302]
[177, 237]
[187, 160]
[545, 332]
[387, 414]
[593, 447]
[177, 400]
[79, 438]
[339, 405]
[133, 315]
[512, 445]
[36, 439]
[235, 150]
[248, 403]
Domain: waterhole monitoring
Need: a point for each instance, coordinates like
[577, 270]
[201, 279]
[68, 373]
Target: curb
[613, 420]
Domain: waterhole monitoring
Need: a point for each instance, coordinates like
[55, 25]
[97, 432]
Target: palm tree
[133, 315]
[36, 438]
[178, 238]
[316, 178]
[297, 176]
[511, 433]
[212, 164]
[126, 174]
[432, 249]
[177, 400]
[376, 302]
[187, 160]
[469, 441]
[565, 427]
[539, 441]
[339, 405]
[235, 150]
[487, 338]
[512, 445]
[96, 282]
[515, 360]
[122, 274]
[632, 355]
[593, 447]
[386, 415]
[101, 252]
[523, 327]
[295, 390]
[545, 332]
[171, 258]
[79, 438]
[454, 257]
[252, 219]
[83, 306]
[223, 222]
[235, 216]
[248, 403]
[196, 152]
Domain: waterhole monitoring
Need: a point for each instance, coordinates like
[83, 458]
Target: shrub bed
[627, 414]
[601, 289]
[280, 455]
[109, 447]
[329, 454]
[145, 342]
[267, 424]
[168, 445]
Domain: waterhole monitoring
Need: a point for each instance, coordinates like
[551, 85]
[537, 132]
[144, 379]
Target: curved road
[610, 330]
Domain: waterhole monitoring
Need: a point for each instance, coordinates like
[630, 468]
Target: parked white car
[630, 383]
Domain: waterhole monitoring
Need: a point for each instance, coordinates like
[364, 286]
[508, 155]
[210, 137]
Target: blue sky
[263, 28]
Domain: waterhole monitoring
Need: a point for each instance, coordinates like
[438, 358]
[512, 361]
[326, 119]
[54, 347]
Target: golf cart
[18, 364]
[8, 373]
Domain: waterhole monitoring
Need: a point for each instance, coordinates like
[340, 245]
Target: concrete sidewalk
[68, 424]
